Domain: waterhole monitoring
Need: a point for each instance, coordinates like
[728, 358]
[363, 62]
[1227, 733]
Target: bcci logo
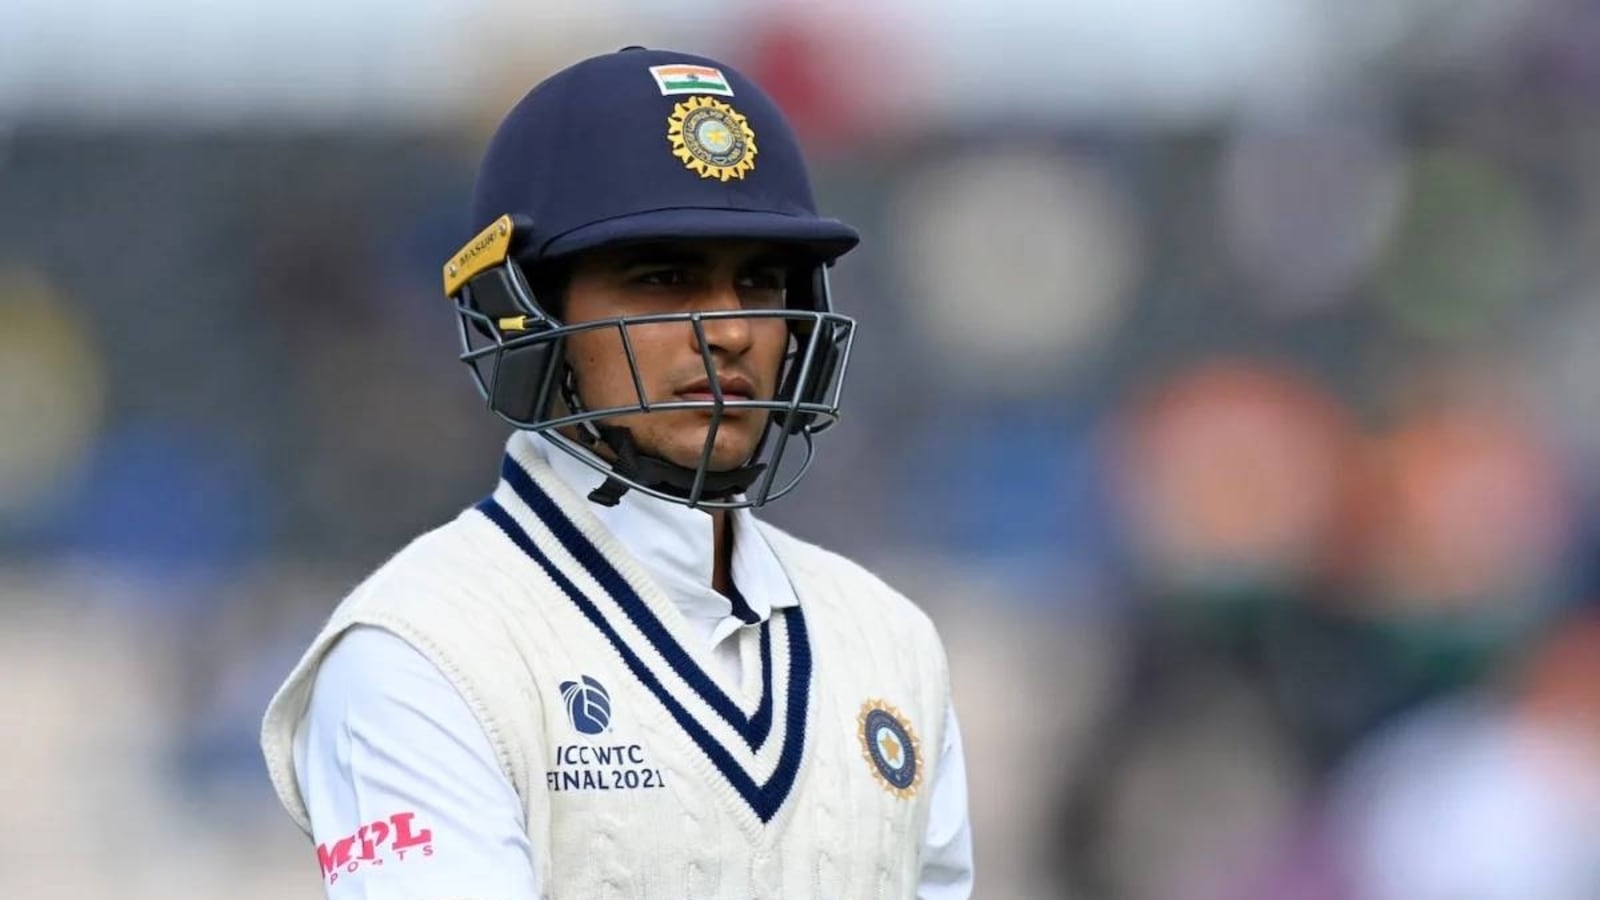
[588, 705]
[712, 138]
[890, 748]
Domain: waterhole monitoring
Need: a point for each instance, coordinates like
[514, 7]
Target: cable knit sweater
[641, 774]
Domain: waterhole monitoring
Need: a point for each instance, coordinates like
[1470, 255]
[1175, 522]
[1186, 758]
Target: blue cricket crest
[588, 705]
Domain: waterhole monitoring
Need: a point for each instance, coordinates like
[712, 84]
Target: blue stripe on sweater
[755, 729]
[764, 799]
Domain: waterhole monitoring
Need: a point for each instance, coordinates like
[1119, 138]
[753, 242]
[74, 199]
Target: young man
[608, 679]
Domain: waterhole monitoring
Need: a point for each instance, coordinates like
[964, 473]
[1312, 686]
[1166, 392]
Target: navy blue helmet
[643, 146]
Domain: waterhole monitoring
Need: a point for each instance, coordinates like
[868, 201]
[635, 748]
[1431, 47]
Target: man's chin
[723, 459]
[719, 463]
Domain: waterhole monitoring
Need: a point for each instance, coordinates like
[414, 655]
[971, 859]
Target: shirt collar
[674, 543]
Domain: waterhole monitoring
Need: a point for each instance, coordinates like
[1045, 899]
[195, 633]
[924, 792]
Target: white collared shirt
[367, 746]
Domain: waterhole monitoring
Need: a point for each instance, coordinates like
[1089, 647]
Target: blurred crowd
[1248, 461]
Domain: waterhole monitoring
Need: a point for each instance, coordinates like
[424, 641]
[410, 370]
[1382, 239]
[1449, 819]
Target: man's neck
[721, 527]
[721, 551]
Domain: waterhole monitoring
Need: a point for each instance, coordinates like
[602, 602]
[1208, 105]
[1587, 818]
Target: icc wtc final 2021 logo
[588, 705]
[590, 765]
[890, 748]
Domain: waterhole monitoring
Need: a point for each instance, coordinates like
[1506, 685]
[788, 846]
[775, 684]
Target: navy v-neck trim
[764, 798]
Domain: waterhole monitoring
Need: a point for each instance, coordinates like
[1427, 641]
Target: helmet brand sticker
[488, 249]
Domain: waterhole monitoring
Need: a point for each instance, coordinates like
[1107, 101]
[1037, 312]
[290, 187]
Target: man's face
[681, 277]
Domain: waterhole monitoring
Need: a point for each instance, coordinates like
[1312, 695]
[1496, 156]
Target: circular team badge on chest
[890, 748]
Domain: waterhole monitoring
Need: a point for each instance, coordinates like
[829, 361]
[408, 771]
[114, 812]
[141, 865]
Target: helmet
[637, 146]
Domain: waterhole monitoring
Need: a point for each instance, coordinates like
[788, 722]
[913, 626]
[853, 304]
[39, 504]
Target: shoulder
[866, 593]
[449, 607]
[468, 545]
[375, 686]
[371, 664]
[433, 619]
[462, 576]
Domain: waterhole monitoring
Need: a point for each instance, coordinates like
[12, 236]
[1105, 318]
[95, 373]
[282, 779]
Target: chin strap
[659, 474]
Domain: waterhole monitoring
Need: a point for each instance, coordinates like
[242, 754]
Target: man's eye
[764, 280]
[662, 277]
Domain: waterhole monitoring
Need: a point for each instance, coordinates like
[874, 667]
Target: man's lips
[734, 387]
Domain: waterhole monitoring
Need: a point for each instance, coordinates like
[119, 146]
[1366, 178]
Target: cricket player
[608, 679]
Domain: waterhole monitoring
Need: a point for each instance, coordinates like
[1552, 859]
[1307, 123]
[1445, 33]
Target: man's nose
[730, 333]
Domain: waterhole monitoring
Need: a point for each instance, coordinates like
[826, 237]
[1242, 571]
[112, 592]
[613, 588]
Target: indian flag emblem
[682, 78]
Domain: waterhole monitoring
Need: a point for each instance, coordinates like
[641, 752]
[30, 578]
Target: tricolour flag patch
[682, 78]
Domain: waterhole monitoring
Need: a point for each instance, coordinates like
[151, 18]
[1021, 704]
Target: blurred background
[1228, 389]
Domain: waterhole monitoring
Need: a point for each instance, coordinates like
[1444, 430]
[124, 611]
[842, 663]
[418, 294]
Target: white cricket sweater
[641, 774]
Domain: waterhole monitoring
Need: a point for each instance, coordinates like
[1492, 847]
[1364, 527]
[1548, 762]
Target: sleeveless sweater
[641, 775]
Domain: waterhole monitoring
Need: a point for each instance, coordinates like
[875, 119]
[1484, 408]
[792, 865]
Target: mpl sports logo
[396, 838]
